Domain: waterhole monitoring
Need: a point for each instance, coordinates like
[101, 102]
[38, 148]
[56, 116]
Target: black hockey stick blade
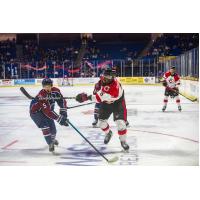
[26, 93]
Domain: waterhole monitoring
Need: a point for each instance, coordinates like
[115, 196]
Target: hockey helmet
[108, 76]
[47, 81]
[172, 70]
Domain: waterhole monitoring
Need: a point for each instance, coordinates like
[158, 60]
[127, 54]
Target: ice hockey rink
[155, 138]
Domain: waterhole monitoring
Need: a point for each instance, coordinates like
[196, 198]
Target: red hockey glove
[83, 97]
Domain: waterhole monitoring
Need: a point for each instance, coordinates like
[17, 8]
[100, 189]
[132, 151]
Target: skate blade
[55, 153]
[125, 151]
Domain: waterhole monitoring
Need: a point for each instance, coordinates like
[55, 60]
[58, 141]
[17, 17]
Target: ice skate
[124, 145]
[179, 108]
[108, 137]
[164, 108]
[94, 124]
[51, 147]
[55, 142]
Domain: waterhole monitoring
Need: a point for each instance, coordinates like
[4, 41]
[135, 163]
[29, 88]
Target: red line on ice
[168, 135]
[10, 144]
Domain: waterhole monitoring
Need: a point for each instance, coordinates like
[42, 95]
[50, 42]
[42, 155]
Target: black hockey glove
[83, 97]
[63, 112]
[62, 120]
[164, 83]
[176, 89]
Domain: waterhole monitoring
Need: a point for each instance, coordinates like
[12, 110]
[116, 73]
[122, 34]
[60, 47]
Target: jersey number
[44, 105]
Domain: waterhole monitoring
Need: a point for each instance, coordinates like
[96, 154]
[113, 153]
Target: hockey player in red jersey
[171, 81]
[42, 111]
[97, 106]
[111, 97]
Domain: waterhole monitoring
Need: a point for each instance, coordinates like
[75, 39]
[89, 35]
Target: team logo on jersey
[171, 80]
[106, 88]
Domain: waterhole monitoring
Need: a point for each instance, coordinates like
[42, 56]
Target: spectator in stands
[35, 55]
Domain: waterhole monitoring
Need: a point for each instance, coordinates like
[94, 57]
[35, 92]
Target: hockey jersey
[172, 80]
[46, 105]
[109, 93]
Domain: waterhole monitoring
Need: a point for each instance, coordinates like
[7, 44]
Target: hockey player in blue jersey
[42, 111]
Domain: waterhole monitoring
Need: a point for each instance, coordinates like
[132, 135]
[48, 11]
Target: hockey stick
[114, 159]
[80, 105]
[178, 93]
[47, 98]
[31, 97]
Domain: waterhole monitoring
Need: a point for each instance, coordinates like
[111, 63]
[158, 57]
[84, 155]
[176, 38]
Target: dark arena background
[75, 61]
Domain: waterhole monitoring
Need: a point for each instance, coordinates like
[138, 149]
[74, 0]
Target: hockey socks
[47, 135]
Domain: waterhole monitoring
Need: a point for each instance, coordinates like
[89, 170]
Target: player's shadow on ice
[30, 152]
[160, 111]
[170, 111]
[88, 153]
[35, 151]
[65, 152]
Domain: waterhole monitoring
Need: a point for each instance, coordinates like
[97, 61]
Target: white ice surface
[155, 138]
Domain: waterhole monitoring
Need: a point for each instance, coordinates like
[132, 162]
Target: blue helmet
[47, 81]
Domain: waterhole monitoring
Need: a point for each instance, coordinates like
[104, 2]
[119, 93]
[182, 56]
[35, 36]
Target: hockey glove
[164, 83]
[63, 112]
[62, 120]
[176, 89]
[83, 97]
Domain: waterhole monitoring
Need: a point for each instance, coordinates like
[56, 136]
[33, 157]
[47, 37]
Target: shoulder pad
[168, 73]
[42, 93]
[55, 89]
